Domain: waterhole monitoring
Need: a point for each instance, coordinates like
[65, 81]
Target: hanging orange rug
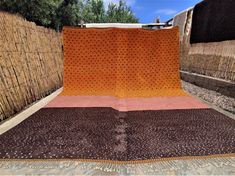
[121, 62]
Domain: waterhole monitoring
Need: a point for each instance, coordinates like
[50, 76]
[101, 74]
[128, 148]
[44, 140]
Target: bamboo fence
[215, 59]
[31, 63]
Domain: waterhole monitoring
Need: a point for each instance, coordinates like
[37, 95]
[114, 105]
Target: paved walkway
[216, 166]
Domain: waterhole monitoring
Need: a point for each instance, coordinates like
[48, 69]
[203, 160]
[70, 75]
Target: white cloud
[128, 2]
[166, 11]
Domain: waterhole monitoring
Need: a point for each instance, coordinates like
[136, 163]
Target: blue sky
[148, 10]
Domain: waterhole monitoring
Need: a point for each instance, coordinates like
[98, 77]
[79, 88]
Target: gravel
[212, 97]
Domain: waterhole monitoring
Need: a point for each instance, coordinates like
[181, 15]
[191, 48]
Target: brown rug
[107, 134]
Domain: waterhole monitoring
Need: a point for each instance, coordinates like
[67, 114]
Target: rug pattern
[121, 62]
[107, 134]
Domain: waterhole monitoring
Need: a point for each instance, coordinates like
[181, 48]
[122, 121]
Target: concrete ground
[213, 166]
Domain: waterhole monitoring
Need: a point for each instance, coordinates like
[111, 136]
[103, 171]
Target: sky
[148, 10]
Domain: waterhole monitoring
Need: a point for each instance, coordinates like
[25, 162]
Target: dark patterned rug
[107, 134]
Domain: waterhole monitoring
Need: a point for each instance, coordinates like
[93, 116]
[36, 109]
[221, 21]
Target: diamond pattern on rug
[107, 134]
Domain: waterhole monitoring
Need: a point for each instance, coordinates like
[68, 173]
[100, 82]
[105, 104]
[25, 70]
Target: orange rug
[88, 123]
[121, 62]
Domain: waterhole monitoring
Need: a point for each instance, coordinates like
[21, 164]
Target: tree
[120, 13]
[112, 13]
[68, 14]
[58, 13]
[40, 11]
[93, 11]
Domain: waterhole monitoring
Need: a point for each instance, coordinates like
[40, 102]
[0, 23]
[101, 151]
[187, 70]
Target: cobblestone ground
[210, 96]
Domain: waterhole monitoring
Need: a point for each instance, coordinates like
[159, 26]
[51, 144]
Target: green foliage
[93, 11]
[39, 11]
[68, 14]
[59, 13]
[120, 13]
